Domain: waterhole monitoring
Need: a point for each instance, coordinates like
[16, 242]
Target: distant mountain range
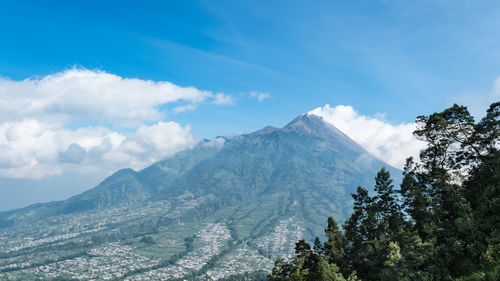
[227, 206]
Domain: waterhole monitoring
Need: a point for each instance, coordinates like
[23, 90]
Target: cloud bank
[33, 149]
[391, 143]
[40, 122]
[77, 94]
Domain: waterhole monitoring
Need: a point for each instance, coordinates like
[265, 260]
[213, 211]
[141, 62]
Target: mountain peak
[266, 130]
[311, 124]
[308, 122]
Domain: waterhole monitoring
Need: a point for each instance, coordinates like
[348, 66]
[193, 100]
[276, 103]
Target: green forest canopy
[441, 224]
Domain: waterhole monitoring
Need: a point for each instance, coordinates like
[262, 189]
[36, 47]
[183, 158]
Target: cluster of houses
[281, 242]
[115, 260]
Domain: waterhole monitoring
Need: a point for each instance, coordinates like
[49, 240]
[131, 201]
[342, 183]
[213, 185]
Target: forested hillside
[443, 223]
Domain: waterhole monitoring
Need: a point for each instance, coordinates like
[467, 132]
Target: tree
[387, 208]
[317, 263]
[457, 174]
[442, 224]
[334, 248]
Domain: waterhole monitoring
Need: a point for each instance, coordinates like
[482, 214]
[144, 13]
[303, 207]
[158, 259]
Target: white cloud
[32, 149]
[77, 94]
[40, 135]
[183, 108]
[391, 143]
[164, 138]
[259, 96]
[217, 142]
[222, 99]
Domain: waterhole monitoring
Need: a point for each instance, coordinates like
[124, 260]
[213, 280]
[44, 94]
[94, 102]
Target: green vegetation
[442, 224]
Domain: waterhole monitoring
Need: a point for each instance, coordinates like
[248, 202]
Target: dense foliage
[442, 224]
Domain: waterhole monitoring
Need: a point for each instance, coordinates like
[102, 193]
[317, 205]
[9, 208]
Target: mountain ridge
[255, 194]
[305, 124]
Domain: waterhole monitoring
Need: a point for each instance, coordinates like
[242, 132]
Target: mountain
[227, 206]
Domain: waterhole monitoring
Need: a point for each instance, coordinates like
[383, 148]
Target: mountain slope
[231, 203]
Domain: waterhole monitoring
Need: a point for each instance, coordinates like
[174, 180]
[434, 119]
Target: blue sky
[388, 60]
